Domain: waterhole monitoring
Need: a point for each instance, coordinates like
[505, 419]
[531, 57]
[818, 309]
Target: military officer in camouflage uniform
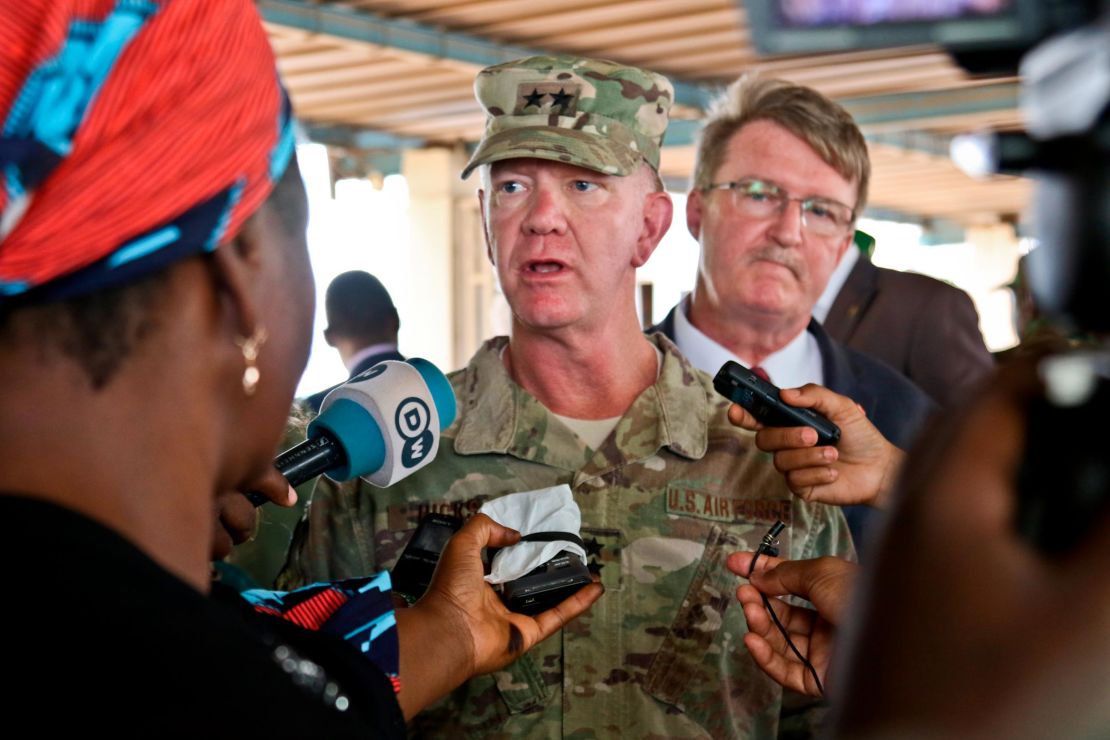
[572, 205]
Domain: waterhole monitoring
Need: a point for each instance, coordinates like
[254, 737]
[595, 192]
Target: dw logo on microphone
[412, 422]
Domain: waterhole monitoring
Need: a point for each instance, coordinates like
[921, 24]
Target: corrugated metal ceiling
[402, 70]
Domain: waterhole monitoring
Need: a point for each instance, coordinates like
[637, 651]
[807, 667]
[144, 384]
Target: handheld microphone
[383, 424]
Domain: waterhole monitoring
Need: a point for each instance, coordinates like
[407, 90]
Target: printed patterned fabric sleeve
[359, 611]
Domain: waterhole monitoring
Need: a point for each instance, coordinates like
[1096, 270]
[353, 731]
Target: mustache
[784, 256]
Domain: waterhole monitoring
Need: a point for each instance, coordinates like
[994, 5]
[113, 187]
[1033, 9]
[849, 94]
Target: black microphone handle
[305, 461]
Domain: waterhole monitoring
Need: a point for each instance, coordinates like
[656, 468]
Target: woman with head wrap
[155, 312]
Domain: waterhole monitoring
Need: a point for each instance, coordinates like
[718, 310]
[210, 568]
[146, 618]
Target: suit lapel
[852, 301]
[836, 368]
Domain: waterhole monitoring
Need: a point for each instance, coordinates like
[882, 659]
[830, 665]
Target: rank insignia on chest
[603, 554]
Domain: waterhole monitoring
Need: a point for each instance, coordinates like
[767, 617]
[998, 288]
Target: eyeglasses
[759, 199]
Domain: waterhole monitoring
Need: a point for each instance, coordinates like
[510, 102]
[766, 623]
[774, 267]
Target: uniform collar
[500, 417]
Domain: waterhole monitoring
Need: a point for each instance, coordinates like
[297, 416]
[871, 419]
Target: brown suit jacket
[925, 329]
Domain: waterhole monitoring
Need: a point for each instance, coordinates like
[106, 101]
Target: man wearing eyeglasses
[780, 176]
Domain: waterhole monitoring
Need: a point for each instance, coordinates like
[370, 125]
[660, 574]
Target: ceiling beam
[684, 133]
[355, 25]
[360, 138]
[879, 110]
[358, 29]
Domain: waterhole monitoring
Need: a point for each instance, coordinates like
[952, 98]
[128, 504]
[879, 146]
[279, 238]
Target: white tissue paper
[545, 510]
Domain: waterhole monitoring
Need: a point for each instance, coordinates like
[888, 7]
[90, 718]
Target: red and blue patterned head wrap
[136, 133]
[133, 133]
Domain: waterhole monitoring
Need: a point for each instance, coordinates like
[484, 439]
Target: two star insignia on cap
[561, 101]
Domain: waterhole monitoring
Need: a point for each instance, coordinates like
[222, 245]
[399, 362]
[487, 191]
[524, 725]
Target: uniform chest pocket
[702, 667]
[678, 664]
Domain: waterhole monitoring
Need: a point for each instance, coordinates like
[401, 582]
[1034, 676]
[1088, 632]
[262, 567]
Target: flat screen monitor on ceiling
[812, 26]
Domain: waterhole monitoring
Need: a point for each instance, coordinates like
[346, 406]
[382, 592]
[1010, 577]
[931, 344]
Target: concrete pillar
[444, 314]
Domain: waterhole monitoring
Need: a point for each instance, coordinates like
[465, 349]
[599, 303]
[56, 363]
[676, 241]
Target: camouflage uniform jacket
[672, 491]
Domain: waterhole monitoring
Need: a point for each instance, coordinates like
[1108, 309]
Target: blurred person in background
[922, 327]
[362, 325]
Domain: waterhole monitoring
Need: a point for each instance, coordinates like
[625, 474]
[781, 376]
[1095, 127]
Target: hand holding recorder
[800, 427]
[484, 635]
[762, 400]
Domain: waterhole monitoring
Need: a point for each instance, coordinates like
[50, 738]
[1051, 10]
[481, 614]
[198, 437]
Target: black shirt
[99, 636]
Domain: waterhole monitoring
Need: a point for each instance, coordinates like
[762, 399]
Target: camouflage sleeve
[333, 540]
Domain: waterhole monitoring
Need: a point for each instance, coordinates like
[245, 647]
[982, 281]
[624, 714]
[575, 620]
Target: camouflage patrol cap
[589, 112]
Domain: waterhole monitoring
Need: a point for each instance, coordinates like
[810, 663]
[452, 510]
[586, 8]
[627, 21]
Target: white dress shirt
[362, 354]
[836, 282]
[796, 364]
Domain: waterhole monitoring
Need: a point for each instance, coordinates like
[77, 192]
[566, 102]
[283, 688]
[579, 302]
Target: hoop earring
[250, 347]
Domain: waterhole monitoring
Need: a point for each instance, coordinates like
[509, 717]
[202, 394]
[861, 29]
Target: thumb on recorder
[484, 635]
